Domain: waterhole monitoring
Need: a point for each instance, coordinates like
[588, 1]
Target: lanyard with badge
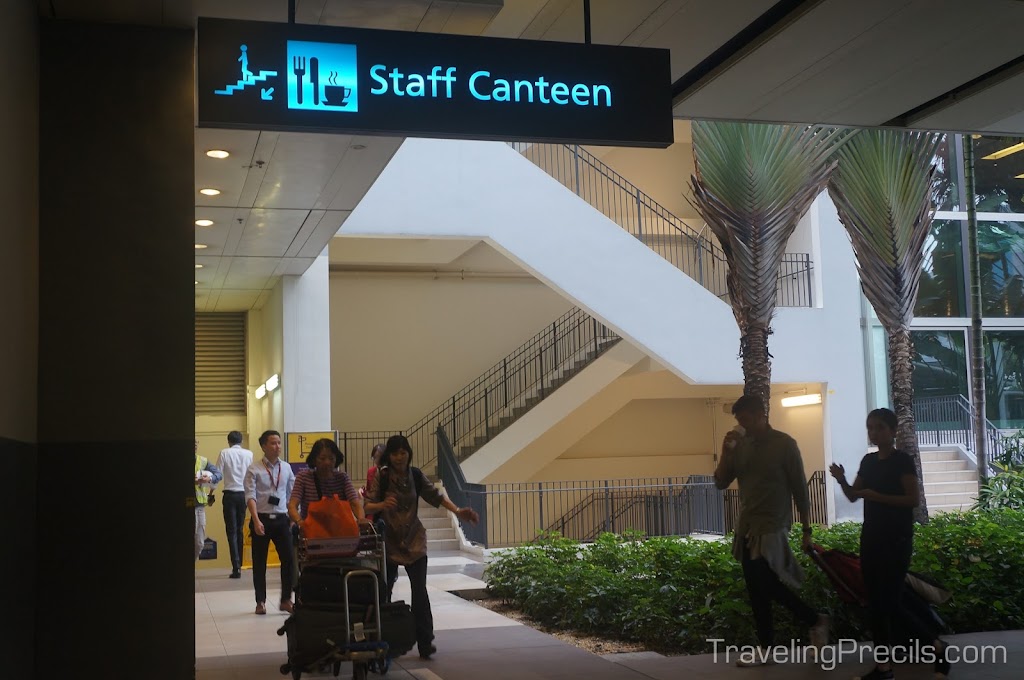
[273, 500]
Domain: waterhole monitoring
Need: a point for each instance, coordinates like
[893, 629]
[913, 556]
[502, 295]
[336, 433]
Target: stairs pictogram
[242, 84]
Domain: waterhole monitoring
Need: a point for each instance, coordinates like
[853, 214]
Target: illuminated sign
[298, 77]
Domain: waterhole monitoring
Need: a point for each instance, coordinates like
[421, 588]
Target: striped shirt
[305, 488]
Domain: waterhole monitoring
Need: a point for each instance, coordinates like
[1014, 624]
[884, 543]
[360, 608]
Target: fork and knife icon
[299, 69]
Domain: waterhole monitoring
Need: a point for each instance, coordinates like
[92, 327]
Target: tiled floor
[474, 642]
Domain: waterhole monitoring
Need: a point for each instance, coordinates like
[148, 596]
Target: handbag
[329, 517]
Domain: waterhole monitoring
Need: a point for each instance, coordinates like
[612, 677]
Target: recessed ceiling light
[200, 246]
[197, 283]
[209, 192]
[204, 223]
[199, 266]
[217, 153]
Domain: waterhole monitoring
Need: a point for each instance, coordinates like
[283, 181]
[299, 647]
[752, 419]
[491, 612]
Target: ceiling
[932, 64]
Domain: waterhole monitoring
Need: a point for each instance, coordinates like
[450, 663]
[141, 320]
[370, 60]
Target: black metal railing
[694, 252]
[505, 392]
[949, 420]
[516, 513]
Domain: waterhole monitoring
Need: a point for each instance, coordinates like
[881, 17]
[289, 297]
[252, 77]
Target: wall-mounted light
[261, 391]
[802, 400]
[272, 383]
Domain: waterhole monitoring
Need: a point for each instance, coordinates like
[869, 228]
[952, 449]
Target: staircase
[694, 252]
[950, 484]
[441, 533]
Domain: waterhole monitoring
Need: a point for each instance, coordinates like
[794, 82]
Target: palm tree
[752, 185]
[884, 189]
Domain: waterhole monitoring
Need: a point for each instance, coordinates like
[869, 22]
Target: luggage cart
[339, 628]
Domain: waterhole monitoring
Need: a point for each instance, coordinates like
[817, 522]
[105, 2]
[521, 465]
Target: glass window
[1001, 257]
[1004, 378]
[948, 169]
[878, 367]
[940, 364]
[941, 293]
[998, 166]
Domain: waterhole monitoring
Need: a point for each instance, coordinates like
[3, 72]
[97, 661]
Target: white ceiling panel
[250, 272]
[357, 170]
[293, 266]
[236, 300]
[300, 168]
[694, 29]
[309, 226]
[268, 233]
[991, 109]
[611, 21]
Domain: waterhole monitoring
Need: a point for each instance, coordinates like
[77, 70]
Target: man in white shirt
[233, 462]
[268, 485]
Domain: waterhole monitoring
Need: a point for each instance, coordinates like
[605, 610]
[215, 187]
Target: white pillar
[306, 366]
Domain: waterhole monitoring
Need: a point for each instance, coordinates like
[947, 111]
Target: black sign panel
[299, 77]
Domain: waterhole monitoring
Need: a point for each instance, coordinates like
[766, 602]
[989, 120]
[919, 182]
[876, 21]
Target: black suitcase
[317, 633]
[323, 585]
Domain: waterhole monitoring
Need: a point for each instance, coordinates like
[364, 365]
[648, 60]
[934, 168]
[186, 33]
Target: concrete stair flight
[950, 484]
[441, 533]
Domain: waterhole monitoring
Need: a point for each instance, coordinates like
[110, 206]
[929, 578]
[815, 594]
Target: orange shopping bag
[330, 517]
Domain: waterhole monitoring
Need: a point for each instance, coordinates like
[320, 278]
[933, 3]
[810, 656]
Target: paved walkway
[474, 642]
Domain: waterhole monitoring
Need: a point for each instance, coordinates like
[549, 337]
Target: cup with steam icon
[336, 94]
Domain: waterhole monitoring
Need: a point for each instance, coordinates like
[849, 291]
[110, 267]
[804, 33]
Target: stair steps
[441, 533]
[950, 485]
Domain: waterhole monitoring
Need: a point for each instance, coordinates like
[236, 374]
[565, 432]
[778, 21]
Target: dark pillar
[114, 596]
[19, 314]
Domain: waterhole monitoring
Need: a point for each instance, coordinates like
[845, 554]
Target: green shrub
[674, 594]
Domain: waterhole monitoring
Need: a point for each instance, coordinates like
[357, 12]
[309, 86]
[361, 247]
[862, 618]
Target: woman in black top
[887, 481]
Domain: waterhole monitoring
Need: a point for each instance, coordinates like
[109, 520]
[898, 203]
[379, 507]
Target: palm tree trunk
[901, 351]
[976, 339]
[757, 364]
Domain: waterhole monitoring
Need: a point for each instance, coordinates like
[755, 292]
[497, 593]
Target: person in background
[770, 472]
[323, 478]
[268, 485]
[371, 472]
[887, 481]
[233, 462]
[206, 477]
[395, 493]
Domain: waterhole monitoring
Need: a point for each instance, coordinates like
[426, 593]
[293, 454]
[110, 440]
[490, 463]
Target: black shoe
[877, 674]
[235, 574]
[427, 652]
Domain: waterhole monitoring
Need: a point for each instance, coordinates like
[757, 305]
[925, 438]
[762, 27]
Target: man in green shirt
[767, 465]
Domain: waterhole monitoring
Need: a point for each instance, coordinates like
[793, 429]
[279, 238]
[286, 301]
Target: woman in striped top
[323, 460]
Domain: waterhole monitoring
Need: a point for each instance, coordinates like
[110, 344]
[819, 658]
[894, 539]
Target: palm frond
[884, 189]
[752, 185]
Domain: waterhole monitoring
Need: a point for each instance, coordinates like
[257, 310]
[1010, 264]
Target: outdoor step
[931, 488]
[943, 466]
[931, 476]
[934, 509]
[435, 522]
[932, 456]
[466, 452]
[447, 544]
[442, 534]
[965, 500]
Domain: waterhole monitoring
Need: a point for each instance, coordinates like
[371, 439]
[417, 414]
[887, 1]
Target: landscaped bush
[673, 594]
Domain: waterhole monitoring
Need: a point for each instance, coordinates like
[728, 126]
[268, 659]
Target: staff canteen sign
[270, 76]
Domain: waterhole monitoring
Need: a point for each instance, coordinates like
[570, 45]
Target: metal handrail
[479, 411]
[686, 248]
[950, 420]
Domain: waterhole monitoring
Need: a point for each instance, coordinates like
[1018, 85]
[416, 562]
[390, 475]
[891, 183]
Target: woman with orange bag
[323, 479]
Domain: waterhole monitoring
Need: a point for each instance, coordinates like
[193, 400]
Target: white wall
[402, 344]
[19, 235]
[306, 365]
